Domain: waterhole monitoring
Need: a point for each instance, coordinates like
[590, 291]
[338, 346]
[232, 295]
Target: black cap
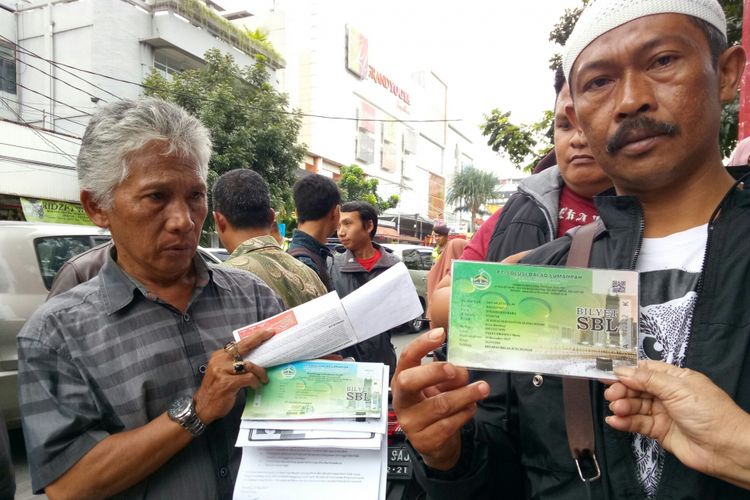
[441, 230]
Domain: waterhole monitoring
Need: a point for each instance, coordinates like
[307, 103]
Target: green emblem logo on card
[481, 281]
[288, 372]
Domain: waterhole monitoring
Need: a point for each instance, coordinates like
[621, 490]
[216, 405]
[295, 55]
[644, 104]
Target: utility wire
[49, 143]
[69, 138]
[46, 96]
[25, 161]
[47, 112]
[59, 66]
[29, 148]
[61, 80]
[248, 106]
[61, 137]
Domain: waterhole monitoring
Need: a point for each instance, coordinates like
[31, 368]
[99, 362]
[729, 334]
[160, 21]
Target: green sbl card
[556, 320]
[318, 389]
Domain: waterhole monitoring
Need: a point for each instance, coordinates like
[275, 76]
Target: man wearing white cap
[648, 79]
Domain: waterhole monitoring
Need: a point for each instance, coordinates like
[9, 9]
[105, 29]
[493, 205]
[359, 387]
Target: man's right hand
[218, 391]
[433, 401]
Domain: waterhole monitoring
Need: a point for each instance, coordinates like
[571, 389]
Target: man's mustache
[645, 127]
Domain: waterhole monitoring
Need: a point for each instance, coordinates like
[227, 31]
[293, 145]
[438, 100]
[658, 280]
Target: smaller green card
[318, 389]
[555, 320]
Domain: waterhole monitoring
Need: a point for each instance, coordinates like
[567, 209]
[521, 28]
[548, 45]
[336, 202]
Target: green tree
[471, 189]
[562, 30]
[356, 186]
[503, 136]
[249, 120]
[730, 113]
[524, 145]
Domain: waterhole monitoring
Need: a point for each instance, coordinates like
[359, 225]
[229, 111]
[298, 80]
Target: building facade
[366, 104]
[61, 59]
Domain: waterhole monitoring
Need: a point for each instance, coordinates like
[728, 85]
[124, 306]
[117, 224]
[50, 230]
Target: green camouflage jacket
[293, 281]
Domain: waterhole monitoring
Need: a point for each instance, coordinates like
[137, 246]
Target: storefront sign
[35, 210]
[436, 201]
[357, 61]
[384, 81]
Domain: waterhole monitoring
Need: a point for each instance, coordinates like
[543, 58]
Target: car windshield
[53, 251]
[417, 260]
[219, 253]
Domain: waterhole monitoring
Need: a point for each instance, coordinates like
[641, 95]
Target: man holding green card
[648, 79]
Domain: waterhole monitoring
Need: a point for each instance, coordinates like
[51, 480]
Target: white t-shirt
[684, 250]
[670, 268]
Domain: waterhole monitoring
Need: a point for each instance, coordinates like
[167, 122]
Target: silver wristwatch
[182, 411]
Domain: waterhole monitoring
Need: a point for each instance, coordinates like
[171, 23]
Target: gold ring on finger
[231, 349]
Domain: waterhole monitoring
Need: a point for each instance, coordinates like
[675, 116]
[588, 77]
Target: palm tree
[471, 189]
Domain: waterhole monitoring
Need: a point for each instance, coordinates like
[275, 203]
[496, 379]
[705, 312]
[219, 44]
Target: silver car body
[30, 255]
[418, 260]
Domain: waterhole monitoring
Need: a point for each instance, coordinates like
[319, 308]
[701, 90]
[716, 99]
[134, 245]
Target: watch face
[179, 406]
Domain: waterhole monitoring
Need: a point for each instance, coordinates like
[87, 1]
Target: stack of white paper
[328, 324]
[291, 453]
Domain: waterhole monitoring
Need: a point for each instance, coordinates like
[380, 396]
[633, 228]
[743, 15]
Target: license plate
[399, 462]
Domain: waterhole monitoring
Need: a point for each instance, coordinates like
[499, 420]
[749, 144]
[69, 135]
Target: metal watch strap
[182, 411]
[193, 424]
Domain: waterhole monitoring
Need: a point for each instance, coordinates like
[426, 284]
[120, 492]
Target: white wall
[311, 35]
[37, 164]
[108, 37]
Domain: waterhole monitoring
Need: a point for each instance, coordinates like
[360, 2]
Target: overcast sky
[492, 54]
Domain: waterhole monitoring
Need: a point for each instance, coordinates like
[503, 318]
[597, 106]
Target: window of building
[7, 69]
[365, 133]
[410, 142]
[166, 65]
[389, 149]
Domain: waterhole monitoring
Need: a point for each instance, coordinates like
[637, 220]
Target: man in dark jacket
[362, 261]
[647, 79]
[316, 199]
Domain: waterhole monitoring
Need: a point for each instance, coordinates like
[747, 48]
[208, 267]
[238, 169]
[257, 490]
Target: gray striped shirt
[106, 357]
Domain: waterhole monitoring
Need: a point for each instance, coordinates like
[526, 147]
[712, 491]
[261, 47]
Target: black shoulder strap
[319, 263]
[580, 247]
[579, 422]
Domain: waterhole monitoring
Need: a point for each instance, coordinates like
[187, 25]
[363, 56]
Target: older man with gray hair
[124, 385]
